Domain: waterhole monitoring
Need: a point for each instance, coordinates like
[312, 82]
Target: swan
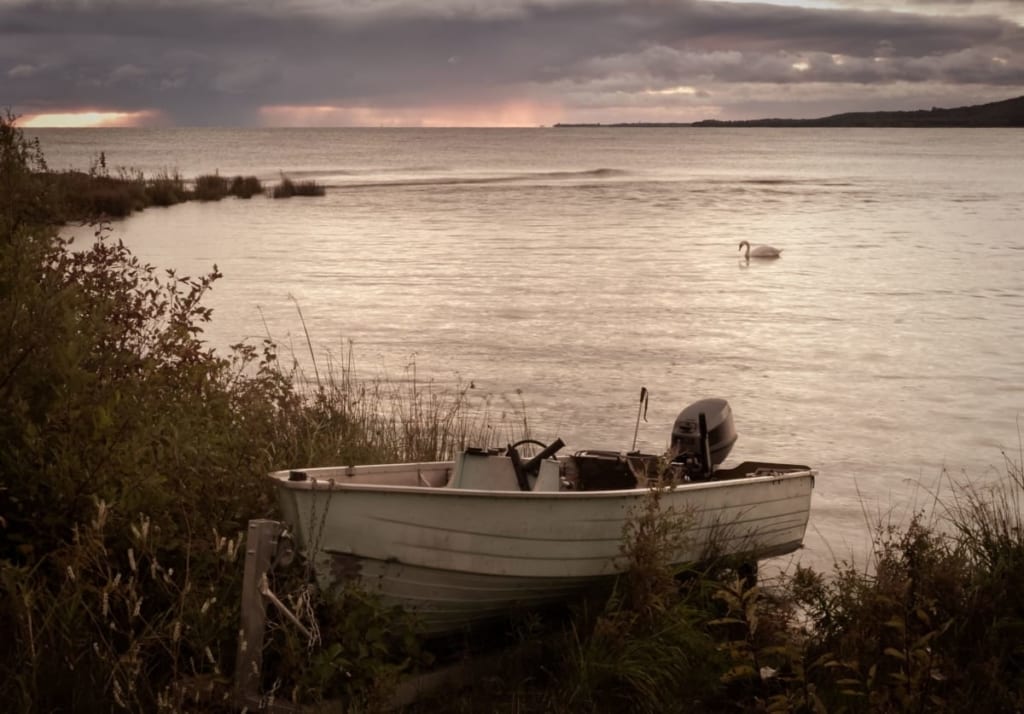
[760, 251]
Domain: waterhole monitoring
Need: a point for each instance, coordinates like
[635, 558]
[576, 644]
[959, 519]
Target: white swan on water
[760, 251]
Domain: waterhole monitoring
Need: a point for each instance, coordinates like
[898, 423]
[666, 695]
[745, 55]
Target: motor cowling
[703, 446]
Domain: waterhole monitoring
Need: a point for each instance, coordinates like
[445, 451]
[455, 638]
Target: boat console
[498, 470]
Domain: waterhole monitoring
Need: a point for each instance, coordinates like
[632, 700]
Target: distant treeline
[1007, 113]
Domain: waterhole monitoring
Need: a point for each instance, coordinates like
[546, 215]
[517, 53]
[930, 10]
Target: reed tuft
[210, 187]
[288, 188]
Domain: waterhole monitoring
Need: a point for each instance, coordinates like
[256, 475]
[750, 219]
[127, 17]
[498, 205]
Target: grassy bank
[102, 193]
[132, 457]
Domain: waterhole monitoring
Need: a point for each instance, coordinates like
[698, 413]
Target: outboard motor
[702, 437]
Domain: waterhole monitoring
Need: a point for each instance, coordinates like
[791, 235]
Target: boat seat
[485, 471]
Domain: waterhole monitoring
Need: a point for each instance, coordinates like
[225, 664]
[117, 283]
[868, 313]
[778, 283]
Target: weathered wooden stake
[260, 546]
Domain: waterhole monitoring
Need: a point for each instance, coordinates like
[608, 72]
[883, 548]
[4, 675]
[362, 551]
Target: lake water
[566, 268]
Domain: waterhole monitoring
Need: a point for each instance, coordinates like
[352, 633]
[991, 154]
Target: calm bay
[563, 269]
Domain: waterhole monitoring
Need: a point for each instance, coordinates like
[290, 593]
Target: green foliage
[97, 194]
[285, 189]
[27, 196]
[988, 635]
[358, 650]
[769, 665]
[925, 630]
[631, 662]
[648, 650]
[116, 626]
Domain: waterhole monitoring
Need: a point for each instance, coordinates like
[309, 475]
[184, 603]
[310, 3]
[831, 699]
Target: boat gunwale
[335, 484]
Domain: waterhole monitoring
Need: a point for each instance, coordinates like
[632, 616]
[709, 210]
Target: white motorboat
[463, 541]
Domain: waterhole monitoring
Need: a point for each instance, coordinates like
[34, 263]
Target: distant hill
[1007, 113]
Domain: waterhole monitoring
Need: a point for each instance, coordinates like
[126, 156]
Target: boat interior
[702, 437]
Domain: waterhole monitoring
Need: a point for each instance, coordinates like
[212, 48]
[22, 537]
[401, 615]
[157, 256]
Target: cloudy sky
[497, 62]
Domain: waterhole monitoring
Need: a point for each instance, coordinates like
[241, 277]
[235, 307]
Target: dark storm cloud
[218, 62]
[986, 4]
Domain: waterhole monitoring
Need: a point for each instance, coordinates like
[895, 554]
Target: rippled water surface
[577, 265]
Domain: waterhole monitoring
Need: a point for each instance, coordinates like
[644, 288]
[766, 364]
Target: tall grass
[210, 187]
[97, 195]
[167, 189]
[288, 188]
[648, 649]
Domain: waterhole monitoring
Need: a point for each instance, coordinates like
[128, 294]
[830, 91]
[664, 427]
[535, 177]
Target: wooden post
[260, 546]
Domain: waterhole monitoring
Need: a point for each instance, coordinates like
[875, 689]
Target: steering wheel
[519, 443]
[523, 470]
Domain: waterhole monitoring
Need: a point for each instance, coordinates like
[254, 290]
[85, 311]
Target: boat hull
[457, 556]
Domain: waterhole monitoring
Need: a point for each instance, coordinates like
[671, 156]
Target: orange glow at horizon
[87, 119]
[505, 114]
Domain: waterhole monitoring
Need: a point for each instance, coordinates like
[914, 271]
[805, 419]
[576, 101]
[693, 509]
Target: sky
[497, 62]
